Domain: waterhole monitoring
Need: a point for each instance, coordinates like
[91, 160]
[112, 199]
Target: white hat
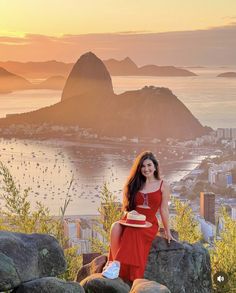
[134, 219]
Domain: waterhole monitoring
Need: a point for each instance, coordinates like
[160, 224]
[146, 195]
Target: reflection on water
[48, 167]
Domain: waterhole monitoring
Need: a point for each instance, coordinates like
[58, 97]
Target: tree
[110, 212]
[185, 224]
[18, 216]
[223, 255]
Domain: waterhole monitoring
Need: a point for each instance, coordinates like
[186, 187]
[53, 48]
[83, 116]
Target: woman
[144, 192]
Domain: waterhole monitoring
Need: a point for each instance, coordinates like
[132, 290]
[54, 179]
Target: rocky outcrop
[26, 260]
[49, 285]
[96, 283]
[88, 76]
[179, 267]
[95, 266]
[146, 286]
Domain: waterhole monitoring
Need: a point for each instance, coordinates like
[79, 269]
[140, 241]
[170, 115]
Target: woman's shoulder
[164, 185]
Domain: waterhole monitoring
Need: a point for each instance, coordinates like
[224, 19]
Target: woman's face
[148, 168]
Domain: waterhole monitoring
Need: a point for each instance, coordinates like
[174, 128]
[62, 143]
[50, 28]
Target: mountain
[125, 67]
[53, 82]
[128, 67]
[10, 82]
[227, 74]
[38, 69]
[88, 76]
[88, 100]
[154, 70]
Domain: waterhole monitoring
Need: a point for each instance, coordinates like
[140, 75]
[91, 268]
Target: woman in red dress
[145, 193]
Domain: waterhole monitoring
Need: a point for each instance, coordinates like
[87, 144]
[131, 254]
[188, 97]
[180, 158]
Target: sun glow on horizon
[60, 17]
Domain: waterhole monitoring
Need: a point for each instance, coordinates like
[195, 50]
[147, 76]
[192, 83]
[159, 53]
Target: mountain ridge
[150, 112]
[115, 67]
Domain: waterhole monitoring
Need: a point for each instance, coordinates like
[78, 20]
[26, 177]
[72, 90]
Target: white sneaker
[111, 270]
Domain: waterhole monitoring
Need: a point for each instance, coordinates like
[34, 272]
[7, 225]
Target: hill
[125, 67]
[11, 82]
[53, 82]
[128, 67]
[150, 112]
[227, 74]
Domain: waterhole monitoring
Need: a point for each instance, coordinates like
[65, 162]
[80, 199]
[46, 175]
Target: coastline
[49, 176]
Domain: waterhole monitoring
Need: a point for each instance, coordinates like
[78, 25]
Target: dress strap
[161, 184]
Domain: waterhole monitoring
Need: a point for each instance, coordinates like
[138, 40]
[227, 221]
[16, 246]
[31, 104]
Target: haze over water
[212, 100]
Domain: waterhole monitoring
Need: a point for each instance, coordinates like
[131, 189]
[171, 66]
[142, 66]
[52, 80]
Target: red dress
[135, 243]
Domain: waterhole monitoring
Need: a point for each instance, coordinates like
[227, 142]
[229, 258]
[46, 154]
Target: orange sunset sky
[181, 32]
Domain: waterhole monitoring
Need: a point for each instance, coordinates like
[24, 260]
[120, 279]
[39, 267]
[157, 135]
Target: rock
[146, 286]
[179, 266]
[24, 257]
[8, 274]
[96, 283]
[88, 257]
[88, 76]
[93, 267]
[49, 285]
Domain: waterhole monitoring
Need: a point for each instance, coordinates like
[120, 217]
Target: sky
[170, 32]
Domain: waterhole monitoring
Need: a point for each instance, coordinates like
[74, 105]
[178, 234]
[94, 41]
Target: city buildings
[207, 206]
[221, 174]
[80, 230]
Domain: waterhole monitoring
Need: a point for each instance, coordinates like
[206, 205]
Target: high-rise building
[207, 206]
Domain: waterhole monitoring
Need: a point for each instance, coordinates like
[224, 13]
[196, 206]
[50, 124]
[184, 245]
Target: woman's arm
[164, 210]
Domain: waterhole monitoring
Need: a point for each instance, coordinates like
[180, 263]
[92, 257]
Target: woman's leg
[115, 236]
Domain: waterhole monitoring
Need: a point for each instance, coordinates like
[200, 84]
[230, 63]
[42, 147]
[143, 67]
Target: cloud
[12, 41]
[213, 46]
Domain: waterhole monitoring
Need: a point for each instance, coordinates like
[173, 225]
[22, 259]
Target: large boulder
[25, 257]
[95, 266]
[179, 266]
[146, 286]
[49, 285]
[96, 283]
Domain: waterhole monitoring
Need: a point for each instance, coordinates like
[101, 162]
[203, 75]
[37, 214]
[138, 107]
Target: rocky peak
[89, 76]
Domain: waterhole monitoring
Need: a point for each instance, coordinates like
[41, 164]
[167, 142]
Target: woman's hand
[169, 236]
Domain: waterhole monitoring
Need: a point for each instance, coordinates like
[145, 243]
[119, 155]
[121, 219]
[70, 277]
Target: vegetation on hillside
[19, 216]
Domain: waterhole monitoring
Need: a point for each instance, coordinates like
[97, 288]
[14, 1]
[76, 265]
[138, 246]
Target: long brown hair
[136, 179]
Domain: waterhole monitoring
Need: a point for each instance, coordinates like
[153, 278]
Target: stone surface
[93, 267]
[24, 257]
[146, 286]
[49, 285]
[179, 266]
[96, 283]
[88, 257]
